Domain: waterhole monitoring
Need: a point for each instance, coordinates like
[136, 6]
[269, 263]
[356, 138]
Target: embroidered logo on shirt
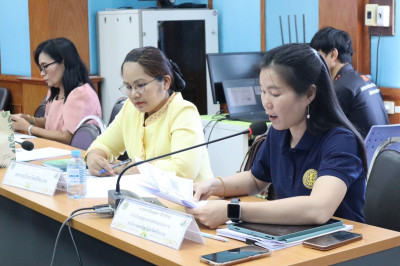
[309, 178]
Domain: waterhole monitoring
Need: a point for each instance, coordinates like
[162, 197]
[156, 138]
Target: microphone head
[27, 145]
[258, 128]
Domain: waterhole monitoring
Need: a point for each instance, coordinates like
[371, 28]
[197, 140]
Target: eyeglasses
[126, 89]
[44, 68]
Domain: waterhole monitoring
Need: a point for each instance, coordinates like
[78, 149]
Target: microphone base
[115, 198]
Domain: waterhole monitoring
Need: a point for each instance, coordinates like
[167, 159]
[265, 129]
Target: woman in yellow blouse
[155, 121]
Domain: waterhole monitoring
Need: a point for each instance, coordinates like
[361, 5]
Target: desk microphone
[115, 196]
[26, 145]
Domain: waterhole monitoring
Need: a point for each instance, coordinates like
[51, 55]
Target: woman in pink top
[71, 96]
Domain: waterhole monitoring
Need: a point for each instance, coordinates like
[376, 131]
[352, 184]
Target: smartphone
[236, 255]
[332, 240]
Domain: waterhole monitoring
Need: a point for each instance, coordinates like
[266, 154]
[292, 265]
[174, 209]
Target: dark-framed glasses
[44, 67]
[139, 87]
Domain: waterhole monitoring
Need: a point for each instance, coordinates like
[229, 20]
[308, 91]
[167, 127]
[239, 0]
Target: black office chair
[41, 110]
[86, 132]
[84, 136]
[4, 98]
[382, 206]
[117, 107]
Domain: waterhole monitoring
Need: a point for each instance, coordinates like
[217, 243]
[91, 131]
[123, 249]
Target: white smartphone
[236, 255]
[332, 240]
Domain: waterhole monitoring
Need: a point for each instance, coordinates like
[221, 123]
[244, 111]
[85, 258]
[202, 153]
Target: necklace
[59, 98]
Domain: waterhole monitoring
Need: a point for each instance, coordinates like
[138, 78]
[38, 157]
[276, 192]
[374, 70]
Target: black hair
[328, 38]
[156, 64]
[301, 67]
[63, 51]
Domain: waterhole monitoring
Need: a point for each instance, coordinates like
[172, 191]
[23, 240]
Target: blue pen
[116, 165]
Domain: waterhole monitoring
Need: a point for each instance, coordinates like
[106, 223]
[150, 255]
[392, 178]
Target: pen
[116, 165]
[220, 238]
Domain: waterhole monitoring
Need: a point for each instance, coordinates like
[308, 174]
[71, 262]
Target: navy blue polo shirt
[293, 171]
[360, 99]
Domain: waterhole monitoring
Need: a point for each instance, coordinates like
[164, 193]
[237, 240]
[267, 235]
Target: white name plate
[32, 177]
[156, 223]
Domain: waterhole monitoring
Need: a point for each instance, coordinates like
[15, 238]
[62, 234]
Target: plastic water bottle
[76, 176]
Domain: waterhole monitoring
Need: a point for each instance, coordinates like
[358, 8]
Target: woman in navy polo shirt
[313, 155]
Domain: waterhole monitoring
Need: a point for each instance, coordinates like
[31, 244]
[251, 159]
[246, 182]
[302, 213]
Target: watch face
[234, 211]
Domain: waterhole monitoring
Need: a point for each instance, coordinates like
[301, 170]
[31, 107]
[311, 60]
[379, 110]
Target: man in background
[358, 96]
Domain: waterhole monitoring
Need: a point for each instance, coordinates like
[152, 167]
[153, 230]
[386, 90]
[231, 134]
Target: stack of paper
[270, 243]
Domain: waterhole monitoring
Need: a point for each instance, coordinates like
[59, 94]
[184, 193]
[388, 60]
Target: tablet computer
[286, 233]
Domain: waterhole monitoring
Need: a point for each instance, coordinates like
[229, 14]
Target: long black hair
[156, 64]
[301, 66]
[63, 51]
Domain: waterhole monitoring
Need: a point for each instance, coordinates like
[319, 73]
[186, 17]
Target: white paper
[98, 187]
[38, 154]
[167, 185]
[21, 137]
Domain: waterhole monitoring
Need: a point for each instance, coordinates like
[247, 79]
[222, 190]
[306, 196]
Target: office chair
[86, 133]
[84, 136]
[41, 110]
[116, 108]
[382, 206]
[377, 135]
[4, 98]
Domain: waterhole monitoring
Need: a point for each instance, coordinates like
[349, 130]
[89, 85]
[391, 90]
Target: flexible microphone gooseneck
[26, 145]
[115, 196]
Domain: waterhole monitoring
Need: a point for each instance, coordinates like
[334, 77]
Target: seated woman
[313, 155]
[155, 121]
[71, 96]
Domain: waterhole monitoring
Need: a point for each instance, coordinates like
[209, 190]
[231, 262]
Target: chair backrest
[41, 110]
[377, 135]
[382, 206]
[85, 135]
[4, 98]
[117, 107]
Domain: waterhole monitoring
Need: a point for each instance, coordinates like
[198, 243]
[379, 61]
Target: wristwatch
[233, 210]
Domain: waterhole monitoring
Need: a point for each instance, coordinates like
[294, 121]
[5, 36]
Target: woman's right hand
[203, 190]
[96, 162]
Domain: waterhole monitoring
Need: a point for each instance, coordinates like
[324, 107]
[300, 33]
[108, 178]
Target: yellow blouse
[177, 125]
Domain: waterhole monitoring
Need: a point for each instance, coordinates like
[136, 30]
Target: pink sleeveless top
[81, 102]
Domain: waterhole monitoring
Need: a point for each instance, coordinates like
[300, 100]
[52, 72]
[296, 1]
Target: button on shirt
[293, 171]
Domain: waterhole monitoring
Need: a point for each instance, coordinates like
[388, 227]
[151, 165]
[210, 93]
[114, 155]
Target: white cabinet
[184, 35]
[226, 155]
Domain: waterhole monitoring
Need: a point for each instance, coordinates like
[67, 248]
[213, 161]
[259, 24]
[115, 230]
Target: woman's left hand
[20, 123]
[212, 214]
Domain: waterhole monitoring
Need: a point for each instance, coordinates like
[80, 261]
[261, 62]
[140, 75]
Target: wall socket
[371, 11]
[389, 106]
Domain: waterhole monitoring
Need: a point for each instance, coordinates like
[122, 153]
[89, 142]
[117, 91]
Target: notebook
[286, 233]
[243, 98]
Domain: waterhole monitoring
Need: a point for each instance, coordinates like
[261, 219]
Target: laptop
[243, 98]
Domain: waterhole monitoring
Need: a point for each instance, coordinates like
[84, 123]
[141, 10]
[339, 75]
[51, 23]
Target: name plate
[158, 224]
[32, 177]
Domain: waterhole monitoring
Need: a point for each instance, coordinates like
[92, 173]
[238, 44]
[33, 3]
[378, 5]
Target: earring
[308, 112]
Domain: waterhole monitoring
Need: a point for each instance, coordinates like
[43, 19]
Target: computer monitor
[227, 66]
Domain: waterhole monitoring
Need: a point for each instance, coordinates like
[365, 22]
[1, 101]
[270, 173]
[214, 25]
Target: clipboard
[286, 233]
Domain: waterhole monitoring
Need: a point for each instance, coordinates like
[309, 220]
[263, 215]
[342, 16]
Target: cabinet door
[118, 33]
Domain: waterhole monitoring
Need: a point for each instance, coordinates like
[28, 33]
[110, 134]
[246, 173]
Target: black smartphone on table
[332, 240]
[235, 255]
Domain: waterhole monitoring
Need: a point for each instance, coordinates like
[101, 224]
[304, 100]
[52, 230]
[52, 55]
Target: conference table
[29, 223]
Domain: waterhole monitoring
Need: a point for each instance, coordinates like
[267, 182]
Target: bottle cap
[76, 153]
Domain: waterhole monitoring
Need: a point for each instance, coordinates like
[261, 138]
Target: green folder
[60, 164]
[286, 233]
